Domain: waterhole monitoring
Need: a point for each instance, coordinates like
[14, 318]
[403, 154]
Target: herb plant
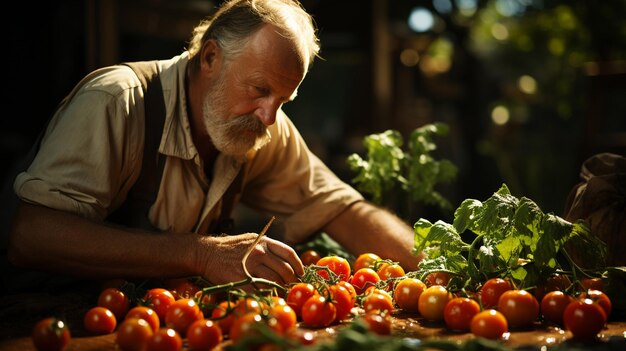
[511, 237]
[391, 174]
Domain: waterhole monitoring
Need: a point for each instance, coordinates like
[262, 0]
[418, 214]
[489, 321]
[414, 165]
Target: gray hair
[236, 20]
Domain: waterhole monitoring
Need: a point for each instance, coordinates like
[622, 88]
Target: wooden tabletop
[613, 337]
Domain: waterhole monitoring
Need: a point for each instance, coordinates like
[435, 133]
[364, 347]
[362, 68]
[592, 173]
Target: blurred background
[529, 88]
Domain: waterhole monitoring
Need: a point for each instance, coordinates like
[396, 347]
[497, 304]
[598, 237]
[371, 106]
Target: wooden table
[404, 325]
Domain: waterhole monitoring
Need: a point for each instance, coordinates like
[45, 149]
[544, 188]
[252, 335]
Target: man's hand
[270, 259]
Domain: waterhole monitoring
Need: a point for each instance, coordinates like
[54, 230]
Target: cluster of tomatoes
[489, 312]
[333, 290]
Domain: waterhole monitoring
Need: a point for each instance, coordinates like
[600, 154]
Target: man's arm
[363, 227]
[47, 239]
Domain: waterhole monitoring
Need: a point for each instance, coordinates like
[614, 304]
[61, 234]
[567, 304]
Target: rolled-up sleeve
[287, 180]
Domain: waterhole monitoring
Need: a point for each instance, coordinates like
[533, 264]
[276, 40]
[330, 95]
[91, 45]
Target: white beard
[231, 135]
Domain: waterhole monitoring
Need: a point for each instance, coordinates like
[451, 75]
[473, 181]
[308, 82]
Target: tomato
[600, 298]
[459, 312]
[318, 312]
[159, 300]
[350, 289]
[245, 325]
[133, 334]
[407, 293]
[489, 324]
[223, 316]
[584, 319]
[338, 265]
[556, 282]
[553, 305]
[377, 301]
[392, 270]
[99, 320]
[365, 260]
[437, 278]
[520, 308]
[377, 323]
[342, 299]
[181, 314]
[115, 300]
[433, 301]
[204, 334]
[310, 257]
[297, 296]
[285, 316]
[50, 334]
[165, 339]
[592, 283]
[492, 289]
[182, 288]
[364, 278]
[147, 314]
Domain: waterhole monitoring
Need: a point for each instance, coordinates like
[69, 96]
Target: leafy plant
[391, 174]
[512, 237]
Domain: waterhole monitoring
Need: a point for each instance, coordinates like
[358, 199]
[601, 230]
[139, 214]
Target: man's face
[245, 95]
[231, 135]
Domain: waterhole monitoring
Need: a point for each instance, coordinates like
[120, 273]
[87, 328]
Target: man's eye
[261, 91]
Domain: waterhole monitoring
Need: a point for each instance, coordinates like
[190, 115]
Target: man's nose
[266, 112]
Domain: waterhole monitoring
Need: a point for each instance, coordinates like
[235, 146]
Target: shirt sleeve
[287, 180]
[90, 154]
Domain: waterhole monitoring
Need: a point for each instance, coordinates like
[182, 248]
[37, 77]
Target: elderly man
[224, 139]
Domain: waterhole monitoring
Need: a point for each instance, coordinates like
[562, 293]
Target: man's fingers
[286, 254]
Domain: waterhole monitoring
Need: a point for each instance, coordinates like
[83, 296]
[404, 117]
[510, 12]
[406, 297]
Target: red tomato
[115, 300]
[433, 301]
[285, 315]
[204, 334]
[437, 278]
[147, 314]
[584, 319]
[159, 300]
[50, 334]
[133, 334]
[181, 314]
[553, 305]
[342, 299]
[489, 324]
[165, 339]
[377, 301]
[520, 308]
[182, 288]
[99, 320]
[592, 283]
[492, 289]
[297, 296]
[364, 278]
[600, 298]
[310, 257]
[245, 325]
[556, 282]
[365, 260]
[459, 312]
[223, 316]
[407, 293]
[350, 289]
[388, 270]
[318, 312]
[377, 323]
[338, 265]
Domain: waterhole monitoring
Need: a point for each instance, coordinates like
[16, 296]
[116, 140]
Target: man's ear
[210, 57]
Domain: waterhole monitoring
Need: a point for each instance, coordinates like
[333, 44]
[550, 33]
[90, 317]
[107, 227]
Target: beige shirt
[92, 151]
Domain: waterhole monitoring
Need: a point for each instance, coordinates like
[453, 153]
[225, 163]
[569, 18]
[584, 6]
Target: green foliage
[512, 237]
[392, 174]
